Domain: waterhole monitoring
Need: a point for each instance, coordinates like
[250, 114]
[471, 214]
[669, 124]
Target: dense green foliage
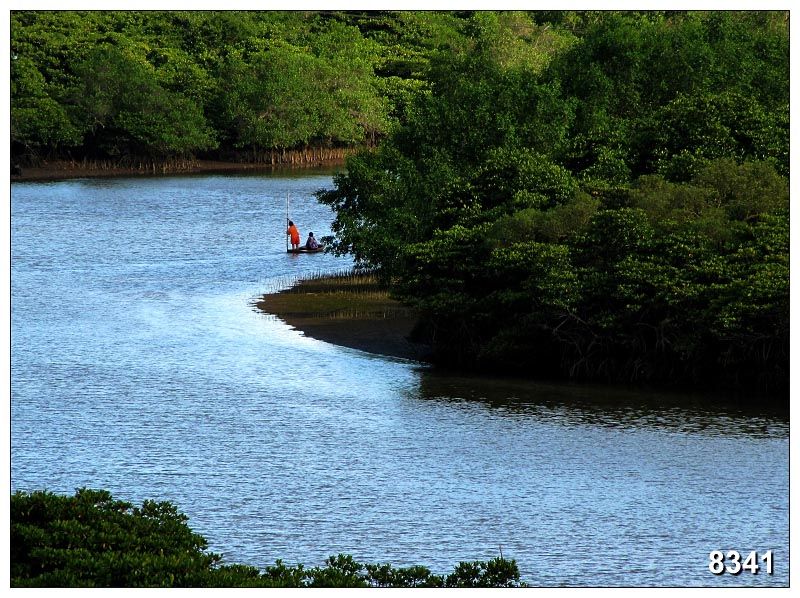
[232, 84]
[612, 206]
[92, 540]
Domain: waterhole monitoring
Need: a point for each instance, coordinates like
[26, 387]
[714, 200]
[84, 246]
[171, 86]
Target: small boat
[306, 250]
[302, 249]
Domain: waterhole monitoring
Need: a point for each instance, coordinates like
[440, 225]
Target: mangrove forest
[595, 195]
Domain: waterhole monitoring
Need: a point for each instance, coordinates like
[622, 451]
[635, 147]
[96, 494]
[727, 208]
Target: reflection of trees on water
[605, 406]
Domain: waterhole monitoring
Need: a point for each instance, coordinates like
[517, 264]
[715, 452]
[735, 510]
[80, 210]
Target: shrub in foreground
[93, 540]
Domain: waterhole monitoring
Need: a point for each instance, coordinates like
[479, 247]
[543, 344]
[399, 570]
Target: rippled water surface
[139, 365]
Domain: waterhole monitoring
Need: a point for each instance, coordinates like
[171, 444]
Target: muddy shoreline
[56, 171]
[327, 310]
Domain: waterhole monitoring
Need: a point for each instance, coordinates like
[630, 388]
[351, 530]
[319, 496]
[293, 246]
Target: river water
[140, 365]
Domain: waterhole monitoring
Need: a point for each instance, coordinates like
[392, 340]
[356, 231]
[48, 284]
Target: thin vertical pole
[287, 221]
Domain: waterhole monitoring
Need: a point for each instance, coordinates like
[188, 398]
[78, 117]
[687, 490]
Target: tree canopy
[110, 84]
[616, 208]
[93, 540]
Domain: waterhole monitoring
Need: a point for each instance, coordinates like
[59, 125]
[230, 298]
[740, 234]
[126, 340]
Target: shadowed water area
[139, 364]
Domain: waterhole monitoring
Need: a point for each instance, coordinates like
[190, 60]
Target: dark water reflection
[609, 406]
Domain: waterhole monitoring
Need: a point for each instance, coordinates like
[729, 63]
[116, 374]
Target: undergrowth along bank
[93, 540]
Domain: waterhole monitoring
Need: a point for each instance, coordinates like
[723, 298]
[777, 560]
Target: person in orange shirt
[294, 234]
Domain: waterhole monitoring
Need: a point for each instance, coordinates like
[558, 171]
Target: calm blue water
[140, 365]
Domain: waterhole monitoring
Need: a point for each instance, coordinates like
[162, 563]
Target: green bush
[92, 540]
